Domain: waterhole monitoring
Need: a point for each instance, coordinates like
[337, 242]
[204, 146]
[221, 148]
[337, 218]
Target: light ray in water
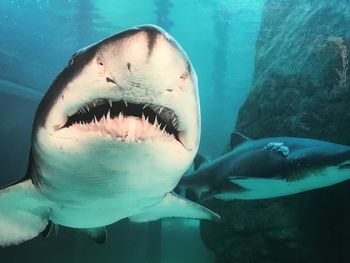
[9, 87]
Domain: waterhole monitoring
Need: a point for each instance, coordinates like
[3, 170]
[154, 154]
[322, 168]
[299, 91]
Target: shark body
[111, 139]
[270, 167]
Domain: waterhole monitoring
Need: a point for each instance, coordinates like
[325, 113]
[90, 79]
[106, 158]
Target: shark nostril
[184, 76]
[129, 66]
[99, 61]
[110, 80]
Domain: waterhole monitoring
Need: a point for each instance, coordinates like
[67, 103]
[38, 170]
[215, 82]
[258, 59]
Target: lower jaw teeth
[131, 134]
[129, 129]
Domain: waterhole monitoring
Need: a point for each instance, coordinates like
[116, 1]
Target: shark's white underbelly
[107, 199]
[108, 182]
[100, 212]
[263, 188]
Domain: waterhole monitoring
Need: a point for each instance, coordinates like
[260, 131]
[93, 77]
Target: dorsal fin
[198, 161]
[237, 138]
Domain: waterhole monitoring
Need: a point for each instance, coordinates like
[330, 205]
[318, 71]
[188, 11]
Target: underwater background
[265, 68]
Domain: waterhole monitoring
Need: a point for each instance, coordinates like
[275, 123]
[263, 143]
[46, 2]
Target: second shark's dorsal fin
[198, 161]
[237, 138]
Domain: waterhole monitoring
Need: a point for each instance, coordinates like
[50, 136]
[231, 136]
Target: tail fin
[23, 214]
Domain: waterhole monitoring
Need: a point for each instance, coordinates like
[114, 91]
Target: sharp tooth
[110, 103]
[83, 110]
[94, 103]
[160, 110]
[109, 114]
[163, 130]
[126, 104]
[173, 122]
[144, 107]
[105, 121]
[172, 115]
[131, 130]
[156, 121]
[95, 119]
[143, 118]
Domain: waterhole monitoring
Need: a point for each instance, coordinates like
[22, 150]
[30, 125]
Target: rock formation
[301, 88]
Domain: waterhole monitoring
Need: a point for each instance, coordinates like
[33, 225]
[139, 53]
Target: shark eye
[344, 165]
[72, 58]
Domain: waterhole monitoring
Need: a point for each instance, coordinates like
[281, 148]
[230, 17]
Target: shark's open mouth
[125, 120]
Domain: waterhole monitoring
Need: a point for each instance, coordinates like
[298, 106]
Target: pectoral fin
[97, 234]
[23, 214]
[175, 206]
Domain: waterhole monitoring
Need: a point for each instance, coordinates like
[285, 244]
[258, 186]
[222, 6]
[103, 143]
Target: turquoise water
[38, 38]
[266, 68]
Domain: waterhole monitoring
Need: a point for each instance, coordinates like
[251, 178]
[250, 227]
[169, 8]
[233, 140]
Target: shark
[267, 168]
[111, 139]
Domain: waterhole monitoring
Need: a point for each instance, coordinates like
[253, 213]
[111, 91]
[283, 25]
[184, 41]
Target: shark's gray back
[271, 157]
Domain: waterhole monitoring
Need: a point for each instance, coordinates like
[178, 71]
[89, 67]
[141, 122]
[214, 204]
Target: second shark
[267, 168]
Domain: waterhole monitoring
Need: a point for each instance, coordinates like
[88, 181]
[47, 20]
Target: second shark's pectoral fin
[23, 214]
[175, 206]
[223, 191]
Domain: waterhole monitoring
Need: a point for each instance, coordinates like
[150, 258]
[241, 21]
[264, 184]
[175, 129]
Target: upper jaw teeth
[95, 110]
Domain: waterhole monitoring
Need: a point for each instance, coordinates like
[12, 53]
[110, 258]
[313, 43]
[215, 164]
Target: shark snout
[329, 154]
[146, 65]
[135, 86]
[147, 57]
